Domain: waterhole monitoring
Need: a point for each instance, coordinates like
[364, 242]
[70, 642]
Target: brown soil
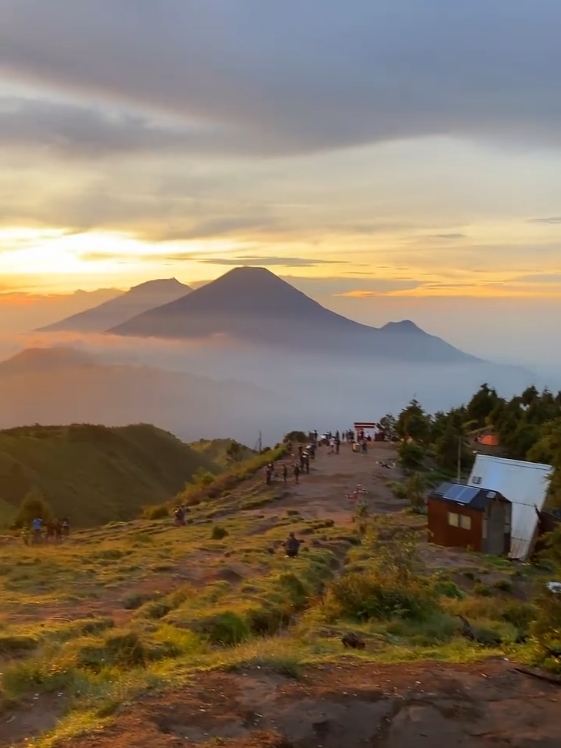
[351, 705]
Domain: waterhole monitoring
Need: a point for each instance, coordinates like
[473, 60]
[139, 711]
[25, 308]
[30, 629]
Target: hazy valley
[242, 355]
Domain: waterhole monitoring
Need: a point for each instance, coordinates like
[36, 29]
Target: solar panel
[461, 494]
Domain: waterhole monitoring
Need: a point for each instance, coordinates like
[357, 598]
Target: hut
[526, 485]
[462, 516]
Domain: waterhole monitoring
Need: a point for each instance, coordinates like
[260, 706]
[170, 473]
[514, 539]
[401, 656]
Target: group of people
[53, 530]
[300, 465]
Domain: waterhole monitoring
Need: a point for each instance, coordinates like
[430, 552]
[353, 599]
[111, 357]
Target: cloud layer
[289, 76]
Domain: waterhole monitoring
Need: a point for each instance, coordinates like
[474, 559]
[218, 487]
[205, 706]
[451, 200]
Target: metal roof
[525, 484]
[476, 497]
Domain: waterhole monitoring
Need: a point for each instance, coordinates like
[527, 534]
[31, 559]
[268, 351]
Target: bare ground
[348, 706]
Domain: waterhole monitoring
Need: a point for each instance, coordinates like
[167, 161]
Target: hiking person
[50, 531]
[268, 475]
[65, 527]
[297, 473]
[292, 545]
[58, 530]
[307, 463]
[284, 473]
[337, 445]
[37, 526]
[179, 515]
[302, 461]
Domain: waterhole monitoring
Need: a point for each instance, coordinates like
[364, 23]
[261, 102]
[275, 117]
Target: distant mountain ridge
[253, 304]
[64, 385]
[126, 306]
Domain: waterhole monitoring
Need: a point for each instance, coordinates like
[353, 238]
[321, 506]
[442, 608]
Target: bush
[267, 620]
[10, 644]
[482, 589]
[411, 455]
[33, 505]
[296, 436]
[155, 512]
[546, 629]
[136, 600]
[368, 595]
[520, 615]
[124, 650]
[503, 585]
[398, 489]
[225, 629]
[448, 589]
[218, 533]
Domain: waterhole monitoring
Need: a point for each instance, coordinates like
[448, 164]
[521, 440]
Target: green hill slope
[95, 474]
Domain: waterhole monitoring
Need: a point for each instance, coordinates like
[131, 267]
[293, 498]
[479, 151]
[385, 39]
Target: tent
[525, 484]
[489, 440]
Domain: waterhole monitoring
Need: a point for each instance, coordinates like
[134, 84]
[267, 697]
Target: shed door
[496, 521]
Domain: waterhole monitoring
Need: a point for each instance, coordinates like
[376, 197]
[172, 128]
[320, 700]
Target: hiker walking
[284, 473]
[268, 475]
[307, 463]
[297, 473]
[65, 527]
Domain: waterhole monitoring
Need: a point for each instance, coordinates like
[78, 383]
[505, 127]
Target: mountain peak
[405, 325]
[133, 302]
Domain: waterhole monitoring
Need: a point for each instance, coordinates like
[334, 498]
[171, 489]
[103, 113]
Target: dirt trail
[322, 493]
[351, 705]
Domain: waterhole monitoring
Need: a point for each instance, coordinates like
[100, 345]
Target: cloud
[293, 76]
[554, 277]
[449, 236]
[86, 131]
[552, 220]
[292, 262]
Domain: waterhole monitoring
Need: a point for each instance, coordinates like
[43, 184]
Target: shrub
[136, 600]
[218, 532]
[398, 489]
[546, 629]
[225, 628]
[33, 505]
[482, 589]
[448, 589]
[368, 595]
[267, 620]
[519, 615]
[37, 675]
[14, 643]
[503, 585]
[155, 512]
[124, 650]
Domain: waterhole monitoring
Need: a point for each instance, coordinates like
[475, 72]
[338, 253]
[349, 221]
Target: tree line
[528, 427]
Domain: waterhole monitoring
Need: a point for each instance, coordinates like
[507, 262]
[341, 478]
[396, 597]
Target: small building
[470, 517]
[526, 485]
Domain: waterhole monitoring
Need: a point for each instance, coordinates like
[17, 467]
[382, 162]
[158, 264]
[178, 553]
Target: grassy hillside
[217, 450]
[95, 474]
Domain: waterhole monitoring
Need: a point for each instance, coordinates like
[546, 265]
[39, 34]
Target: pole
[459, 475]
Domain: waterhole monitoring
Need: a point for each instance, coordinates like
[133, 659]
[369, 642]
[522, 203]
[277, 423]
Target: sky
[393, 158]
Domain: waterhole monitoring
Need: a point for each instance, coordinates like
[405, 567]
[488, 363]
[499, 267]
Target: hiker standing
[37, 526]
[65, 527]
[297, 473]
[268, 475]
[284, 473]
[307, 463]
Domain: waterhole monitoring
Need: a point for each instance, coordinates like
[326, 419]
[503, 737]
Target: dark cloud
[553, 220]
[292, 76]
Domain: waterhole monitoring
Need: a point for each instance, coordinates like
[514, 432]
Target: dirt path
[351, 705]
[322, 493]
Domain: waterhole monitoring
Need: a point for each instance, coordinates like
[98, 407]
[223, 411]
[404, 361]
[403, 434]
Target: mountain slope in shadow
[253, 304]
